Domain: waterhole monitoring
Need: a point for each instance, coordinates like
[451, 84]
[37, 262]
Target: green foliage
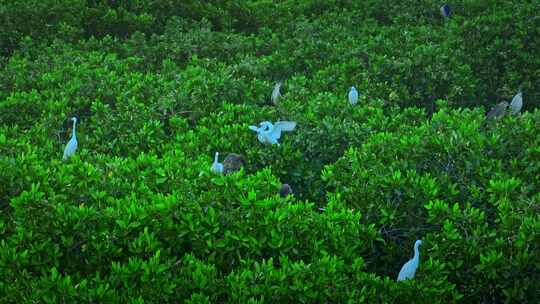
[455, 185]
[136, 215]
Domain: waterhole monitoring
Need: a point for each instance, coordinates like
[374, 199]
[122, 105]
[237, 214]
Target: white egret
[276, 93]
[353, 96]
[516, 104]
[445, 10]
[269, 133]
[217, 167]
[71, 146]
[498, 110]
[409, 269]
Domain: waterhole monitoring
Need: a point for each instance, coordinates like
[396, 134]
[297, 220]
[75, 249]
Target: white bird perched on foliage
[276, 94]
[409, 269]
[217, 167]
[516, 104]
[71, 146]
[353, 96]
[269, 133]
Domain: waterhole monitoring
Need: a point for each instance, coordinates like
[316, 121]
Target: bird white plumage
[269, 133]
[71, 146]
[217, 167]
[409, 269]
[353, 96]
[516, 104]
[276, 94]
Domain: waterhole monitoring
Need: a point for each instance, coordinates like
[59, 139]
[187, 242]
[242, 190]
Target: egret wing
[282, 126]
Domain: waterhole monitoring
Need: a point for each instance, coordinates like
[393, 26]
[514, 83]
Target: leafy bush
[136, 215]
[452, 182]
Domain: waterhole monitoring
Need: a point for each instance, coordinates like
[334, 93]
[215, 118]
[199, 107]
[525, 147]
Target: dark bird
[445, 10]
[498, 110]
[285, 190]
[233, 162]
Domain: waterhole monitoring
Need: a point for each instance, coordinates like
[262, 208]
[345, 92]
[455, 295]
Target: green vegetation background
[159, 86]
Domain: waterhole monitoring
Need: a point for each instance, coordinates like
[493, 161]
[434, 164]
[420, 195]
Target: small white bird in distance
[269, 133]
[71, 146]
[276, 94]
[353, 96]
[409, 269]
[516, 104]
[217, 167]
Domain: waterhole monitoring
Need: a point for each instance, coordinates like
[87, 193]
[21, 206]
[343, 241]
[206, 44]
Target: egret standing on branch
[516, 104]
[217, 167]
[71, 146]
[409, 269]
[269, 133]
[353, 96]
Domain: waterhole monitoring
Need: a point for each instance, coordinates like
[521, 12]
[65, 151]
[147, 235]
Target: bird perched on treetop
[498, 110]
[71, 146]
[276, 94]
[409, 269]
[233, 162]
[353, 96]
[269, 133]
[516, 104]
[217, 167]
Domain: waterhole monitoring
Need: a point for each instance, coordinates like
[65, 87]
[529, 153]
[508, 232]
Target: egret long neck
[73, 132]
[416, 253]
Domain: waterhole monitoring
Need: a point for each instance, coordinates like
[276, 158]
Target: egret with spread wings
[268, 133]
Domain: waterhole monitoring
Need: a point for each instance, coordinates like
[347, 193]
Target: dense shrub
[136, 215]
[461, 187]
